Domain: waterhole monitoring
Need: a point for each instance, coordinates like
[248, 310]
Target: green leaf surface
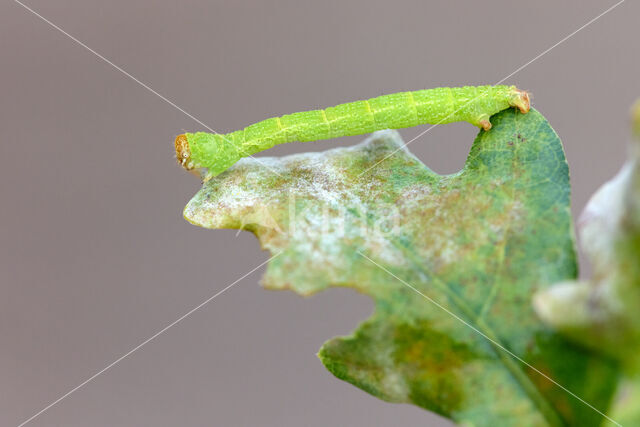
[451, 261]
[626, 407]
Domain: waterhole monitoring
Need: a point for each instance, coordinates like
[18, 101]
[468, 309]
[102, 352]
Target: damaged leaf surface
[434, 252]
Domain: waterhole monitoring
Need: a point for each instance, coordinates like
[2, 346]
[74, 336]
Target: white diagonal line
[486, 337]
[159, 95]
[160, 332]
[522, 67]
[541, 54]
[232, 284]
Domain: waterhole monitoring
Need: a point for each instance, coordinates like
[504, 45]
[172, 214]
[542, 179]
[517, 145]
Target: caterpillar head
[205, 154]
[521, 100]
[183, 152]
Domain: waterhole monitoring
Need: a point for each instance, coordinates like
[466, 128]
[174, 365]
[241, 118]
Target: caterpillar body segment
[473, 104]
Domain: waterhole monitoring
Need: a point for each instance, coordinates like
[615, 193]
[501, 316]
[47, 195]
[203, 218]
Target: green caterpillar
[473, 104]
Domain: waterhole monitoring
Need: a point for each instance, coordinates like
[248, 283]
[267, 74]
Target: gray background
[95, 256]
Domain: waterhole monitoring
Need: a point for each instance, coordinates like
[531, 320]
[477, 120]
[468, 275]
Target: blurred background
[95, 256]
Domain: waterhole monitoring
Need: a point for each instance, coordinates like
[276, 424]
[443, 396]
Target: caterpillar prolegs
[473, 104]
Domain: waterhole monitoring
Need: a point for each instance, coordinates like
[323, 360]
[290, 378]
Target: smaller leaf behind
[604, 312]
